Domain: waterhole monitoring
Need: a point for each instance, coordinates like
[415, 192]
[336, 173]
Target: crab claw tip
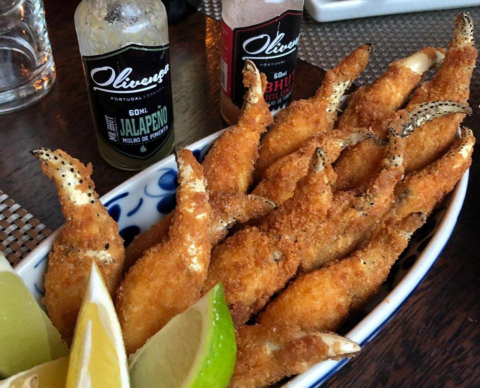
[370, 46]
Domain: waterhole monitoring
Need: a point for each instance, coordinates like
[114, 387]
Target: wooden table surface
[433, 341]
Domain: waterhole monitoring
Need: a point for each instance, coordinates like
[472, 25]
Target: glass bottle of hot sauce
[125, 52]
[267, 32]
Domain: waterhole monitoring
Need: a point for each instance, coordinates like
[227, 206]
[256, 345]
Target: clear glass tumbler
[27, 70]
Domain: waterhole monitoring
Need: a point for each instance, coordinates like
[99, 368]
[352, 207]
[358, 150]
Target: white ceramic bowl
[148, 196]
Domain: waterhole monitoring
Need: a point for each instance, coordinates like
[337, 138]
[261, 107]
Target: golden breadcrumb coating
[322, 299]
[157, 233]
[451, 82]
[312, 228]
[230, 162]
[305, 118]
[228, 167]
[371, 105]
[230, 209]
[422, 190]
[256, 262]
[227, 210]
[351, 218]
[280, 179]
[169, 277]
[265, 355]
[89, 234]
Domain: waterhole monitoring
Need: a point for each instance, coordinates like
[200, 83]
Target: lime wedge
[58, 347]
[27, 337]
[52, 374]
[97, 357]
[195, 349]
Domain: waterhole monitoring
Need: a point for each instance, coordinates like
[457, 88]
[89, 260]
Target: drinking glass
[27, 70]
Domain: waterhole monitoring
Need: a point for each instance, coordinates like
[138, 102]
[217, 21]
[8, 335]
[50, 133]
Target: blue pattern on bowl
[39, 290]
[167, 204]
[40, 261]
[116, 198]
[168, 180]
[129, 233]
[164, 189]
[136, 208]
[115, 211]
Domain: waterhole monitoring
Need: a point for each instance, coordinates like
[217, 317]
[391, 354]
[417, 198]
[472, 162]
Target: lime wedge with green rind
[52, 374]
[195, 349]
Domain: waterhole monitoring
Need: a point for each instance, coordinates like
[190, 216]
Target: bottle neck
[242, 13]
[107, 25]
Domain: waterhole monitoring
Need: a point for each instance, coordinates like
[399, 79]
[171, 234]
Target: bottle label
[130, 92]
[272, 46]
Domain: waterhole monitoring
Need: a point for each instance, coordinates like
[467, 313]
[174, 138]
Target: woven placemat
[20, 231]
[394, 36]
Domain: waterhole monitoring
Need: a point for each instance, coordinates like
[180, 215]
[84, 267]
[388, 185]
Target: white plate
[331, 10]
[148, 196]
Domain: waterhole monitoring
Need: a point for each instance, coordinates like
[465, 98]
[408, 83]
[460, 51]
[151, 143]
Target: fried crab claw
[352, 217]
[305, 118]
[371, 106]
[227, 211]
[230, 163]
[268, 354]
[451, 82]
[423, 113]
[341, 86]
[70, 176]
[89, 234]
[463, 31]
[339, 79]
[228, 169]
[324, 298]
[422, 190]
[280, 179]
[255, 83]
[230, 209]
[256, 262]
[169, 277]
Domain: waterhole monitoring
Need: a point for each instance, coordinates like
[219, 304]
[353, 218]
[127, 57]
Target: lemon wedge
[195, 349]
[27, 337]
[52, 374]
[97, 357]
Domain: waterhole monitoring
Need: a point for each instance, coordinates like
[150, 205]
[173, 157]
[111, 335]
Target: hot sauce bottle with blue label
[125, 52]
[268, 33]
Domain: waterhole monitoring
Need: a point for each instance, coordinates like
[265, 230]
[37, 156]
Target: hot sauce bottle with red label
[268, 33]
